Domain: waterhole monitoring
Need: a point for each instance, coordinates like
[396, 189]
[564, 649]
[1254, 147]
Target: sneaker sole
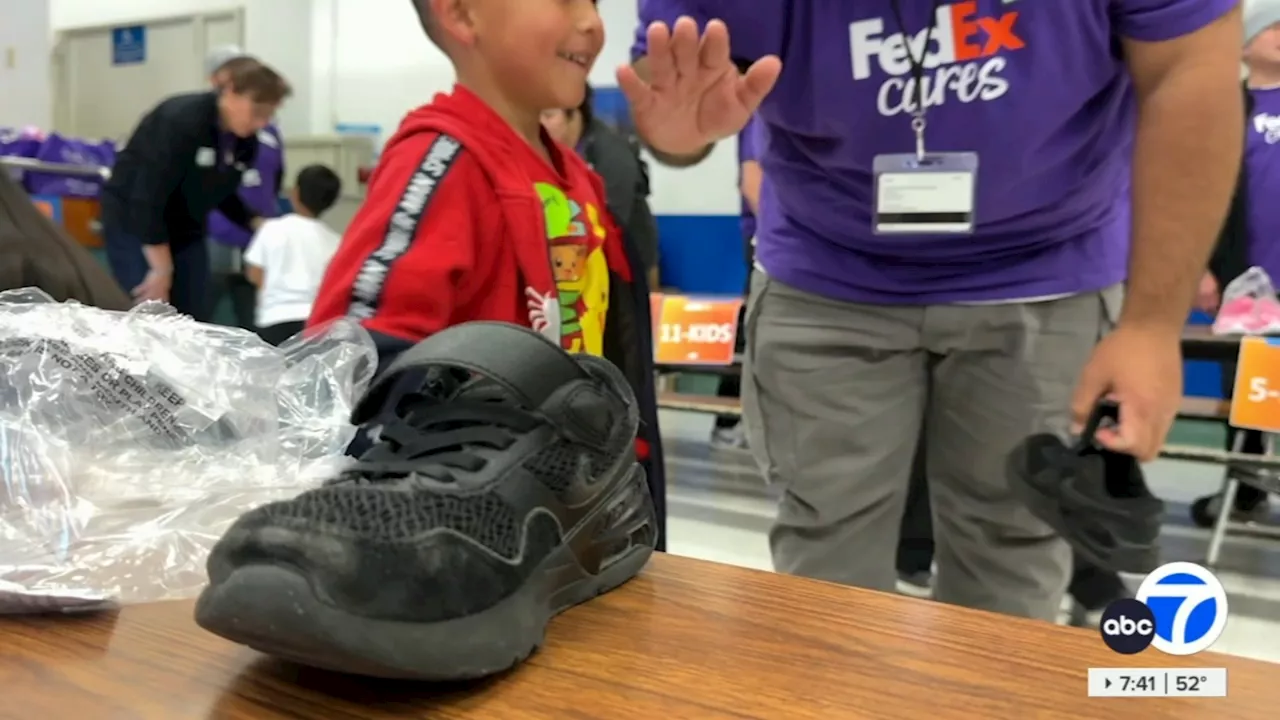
[274, 610]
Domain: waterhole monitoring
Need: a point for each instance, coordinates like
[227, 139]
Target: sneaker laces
[436, 434]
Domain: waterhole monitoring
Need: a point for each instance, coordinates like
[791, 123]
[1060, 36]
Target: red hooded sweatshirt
[464, 221]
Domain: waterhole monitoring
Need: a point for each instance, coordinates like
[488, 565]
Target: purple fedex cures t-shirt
[259, 189]
[1262, 168]
[747, 152]
[1034, 88]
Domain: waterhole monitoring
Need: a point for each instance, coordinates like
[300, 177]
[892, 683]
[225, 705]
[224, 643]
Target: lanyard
[917, 68]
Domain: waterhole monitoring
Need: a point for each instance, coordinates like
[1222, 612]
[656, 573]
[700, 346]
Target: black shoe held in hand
[1096, 499]
[505, 491]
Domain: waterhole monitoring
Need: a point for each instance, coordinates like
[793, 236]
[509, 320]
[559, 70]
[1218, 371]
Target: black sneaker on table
[497, 498]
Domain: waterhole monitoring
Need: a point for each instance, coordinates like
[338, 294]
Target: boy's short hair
[318, 188]
[427, 19]
[247, 76]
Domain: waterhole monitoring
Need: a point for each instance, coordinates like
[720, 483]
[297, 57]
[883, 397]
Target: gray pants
[835, 395]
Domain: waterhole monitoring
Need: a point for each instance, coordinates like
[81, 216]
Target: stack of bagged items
[63, 150]
[1249, 306]
[20, 143]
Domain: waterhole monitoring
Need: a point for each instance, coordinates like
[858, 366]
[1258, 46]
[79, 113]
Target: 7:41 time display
[1138, 684]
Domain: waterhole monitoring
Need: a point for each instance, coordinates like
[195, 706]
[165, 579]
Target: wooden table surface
[687, 640]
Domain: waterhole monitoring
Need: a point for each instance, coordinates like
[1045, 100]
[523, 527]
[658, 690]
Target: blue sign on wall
[129, 45]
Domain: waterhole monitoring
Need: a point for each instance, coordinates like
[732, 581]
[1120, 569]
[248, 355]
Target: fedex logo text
[964, 55]
[1268, 126]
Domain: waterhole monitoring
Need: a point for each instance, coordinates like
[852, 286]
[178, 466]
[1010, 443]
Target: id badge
[930, 196]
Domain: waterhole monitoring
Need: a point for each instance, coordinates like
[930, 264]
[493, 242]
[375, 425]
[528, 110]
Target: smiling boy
[475, 213]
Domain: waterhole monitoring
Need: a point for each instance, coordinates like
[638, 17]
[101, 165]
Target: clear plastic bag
[130, 441]
[1249, 306]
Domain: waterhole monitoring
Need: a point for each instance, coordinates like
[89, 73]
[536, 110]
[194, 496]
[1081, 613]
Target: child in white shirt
[288, 255]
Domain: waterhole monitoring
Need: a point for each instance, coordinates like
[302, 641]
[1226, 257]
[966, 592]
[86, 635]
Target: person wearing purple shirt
[1256, 241]
[1262, 152]
[982, 304]
[728, 430]
[750, 177]
[260, 191]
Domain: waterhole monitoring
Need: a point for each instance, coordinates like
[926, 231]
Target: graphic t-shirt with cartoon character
[576, 235]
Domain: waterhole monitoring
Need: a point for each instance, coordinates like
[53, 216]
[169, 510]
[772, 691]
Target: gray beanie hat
[221, 56]
[1258, 16]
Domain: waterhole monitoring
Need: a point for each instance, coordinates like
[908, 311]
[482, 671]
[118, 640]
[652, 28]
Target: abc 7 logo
[1181, 609]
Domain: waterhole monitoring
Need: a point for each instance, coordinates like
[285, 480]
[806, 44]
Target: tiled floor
[720, 511]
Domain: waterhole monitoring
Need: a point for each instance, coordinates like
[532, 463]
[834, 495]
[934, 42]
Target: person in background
[1251, 235]
[185, 158]
[728, 430]
[616, 157]
[259, 191]
[978, 319]
[288, 256]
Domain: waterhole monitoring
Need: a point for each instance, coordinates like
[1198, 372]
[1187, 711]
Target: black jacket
[177, 168]
[1231, 255]
[616, 157]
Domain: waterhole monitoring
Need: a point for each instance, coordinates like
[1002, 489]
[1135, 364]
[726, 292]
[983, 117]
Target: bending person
[259, 190]
[186, 157]
[982, 311]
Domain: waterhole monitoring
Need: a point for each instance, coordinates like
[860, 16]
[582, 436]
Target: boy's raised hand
[693, 94]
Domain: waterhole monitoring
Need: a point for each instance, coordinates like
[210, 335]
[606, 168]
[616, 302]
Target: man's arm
[755, 29]
[641, 66]
[752, 177]
[677, 161]
[1186, 158]
[162, 148]
[255, 256]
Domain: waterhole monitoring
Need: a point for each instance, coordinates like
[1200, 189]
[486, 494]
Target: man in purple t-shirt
[750, 176]
[728, 430]
[977, 297]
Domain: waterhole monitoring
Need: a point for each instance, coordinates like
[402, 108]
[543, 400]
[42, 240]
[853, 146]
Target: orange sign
[655, 313]
[696, 331]
[1255, 404]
